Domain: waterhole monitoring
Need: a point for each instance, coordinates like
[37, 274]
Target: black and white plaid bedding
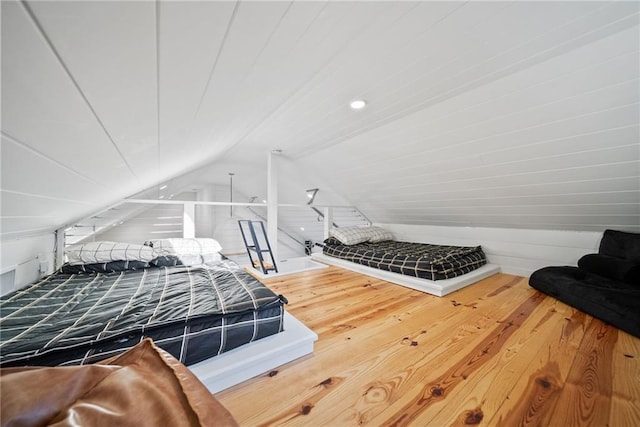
[433, 262]
[192, 312]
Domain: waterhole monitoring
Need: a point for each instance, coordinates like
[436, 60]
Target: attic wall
[516, 251]
[157, 222]
[552, 146]
[24, 255]
[166, 221]
[482, 114]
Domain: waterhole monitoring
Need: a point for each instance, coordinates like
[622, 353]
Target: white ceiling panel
[44, 109]
[188, 50]
[516, 114]
[253, 25]
[109, 48]
[28, 213]
[492, 199]
[26, 171]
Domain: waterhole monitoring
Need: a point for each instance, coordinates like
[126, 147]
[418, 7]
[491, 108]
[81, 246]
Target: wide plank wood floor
[497, 353]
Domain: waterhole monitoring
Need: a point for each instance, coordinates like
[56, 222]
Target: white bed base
[438, 288]
[240, 364]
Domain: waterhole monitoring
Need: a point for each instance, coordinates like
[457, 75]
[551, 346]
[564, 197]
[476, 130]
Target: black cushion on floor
[615, 302]
[620, 244]
[606, 285]
[611, 267]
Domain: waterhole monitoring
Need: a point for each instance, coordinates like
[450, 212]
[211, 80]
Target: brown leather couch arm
[145, 386]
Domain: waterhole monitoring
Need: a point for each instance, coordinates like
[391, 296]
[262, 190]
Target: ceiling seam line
[22, 193]
[541, 105]
[31, 14]
[528, 41]
[531, 214]
[26, 233]
[158, 150]
[218, 55]
[532, 196]
[408, 111]
[251, 68]
[295, 92]
[539, 125]
[531, 173]
[266, 43]
[45, 157]
[529, 196]
[538, 53]
[382, 122]
[528, 145]
[483, 81]
[422, 35]
[409, 187]
[511, 162]
[502, 52]
[475, 206]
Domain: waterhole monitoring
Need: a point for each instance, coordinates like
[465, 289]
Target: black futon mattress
[192, 312]
[615, 302]
[426, 261]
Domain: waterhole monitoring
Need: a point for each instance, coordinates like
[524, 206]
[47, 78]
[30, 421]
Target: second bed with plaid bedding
[426, 261]
[192, 312]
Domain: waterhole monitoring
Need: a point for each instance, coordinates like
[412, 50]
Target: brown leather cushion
[143, 386]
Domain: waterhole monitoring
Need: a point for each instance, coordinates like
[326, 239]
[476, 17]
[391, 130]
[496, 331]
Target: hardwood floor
[497, 353]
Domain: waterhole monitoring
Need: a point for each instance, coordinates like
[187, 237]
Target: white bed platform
[258, 357]
[438, 288]
[288, 266]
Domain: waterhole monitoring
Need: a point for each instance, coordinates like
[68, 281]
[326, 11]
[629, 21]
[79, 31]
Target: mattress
[426, 261]
[193, 312]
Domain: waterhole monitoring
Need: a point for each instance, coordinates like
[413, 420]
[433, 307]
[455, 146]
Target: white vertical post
[328, 221]
[59, 249]
[272, 202]
[204, 219]
[188, 222]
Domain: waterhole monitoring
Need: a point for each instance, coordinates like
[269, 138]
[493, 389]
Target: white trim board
[250, 360]
[288, 266]
[516, 251]
[438, 288]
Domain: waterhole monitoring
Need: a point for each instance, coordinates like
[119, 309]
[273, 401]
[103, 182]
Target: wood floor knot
[408, 341]
[437, 391]
[472, 417]
[330, 382]
[377, 393]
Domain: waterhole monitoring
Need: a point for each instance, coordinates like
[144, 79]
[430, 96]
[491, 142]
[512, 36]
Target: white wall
[516, 251]
[551, 146]
[166, 221]
[26, 256]
[157, 222]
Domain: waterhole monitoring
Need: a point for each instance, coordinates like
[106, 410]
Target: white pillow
[103, 251]
[377, 234]
[186, 247]
[355, 235]
[351, 235]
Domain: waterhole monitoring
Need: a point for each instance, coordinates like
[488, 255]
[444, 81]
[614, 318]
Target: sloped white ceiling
[519, 114]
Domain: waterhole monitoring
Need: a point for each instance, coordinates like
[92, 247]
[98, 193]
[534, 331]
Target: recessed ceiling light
[358, 104]
[163, 187]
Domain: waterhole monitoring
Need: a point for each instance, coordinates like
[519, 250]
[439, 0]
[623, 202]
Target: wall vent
[7, 281]
[19, 276]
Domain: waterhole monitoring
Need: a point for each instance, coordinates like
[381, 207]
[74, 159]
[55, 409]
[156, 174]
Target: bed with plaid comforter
[193, 312]
[426, 261]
